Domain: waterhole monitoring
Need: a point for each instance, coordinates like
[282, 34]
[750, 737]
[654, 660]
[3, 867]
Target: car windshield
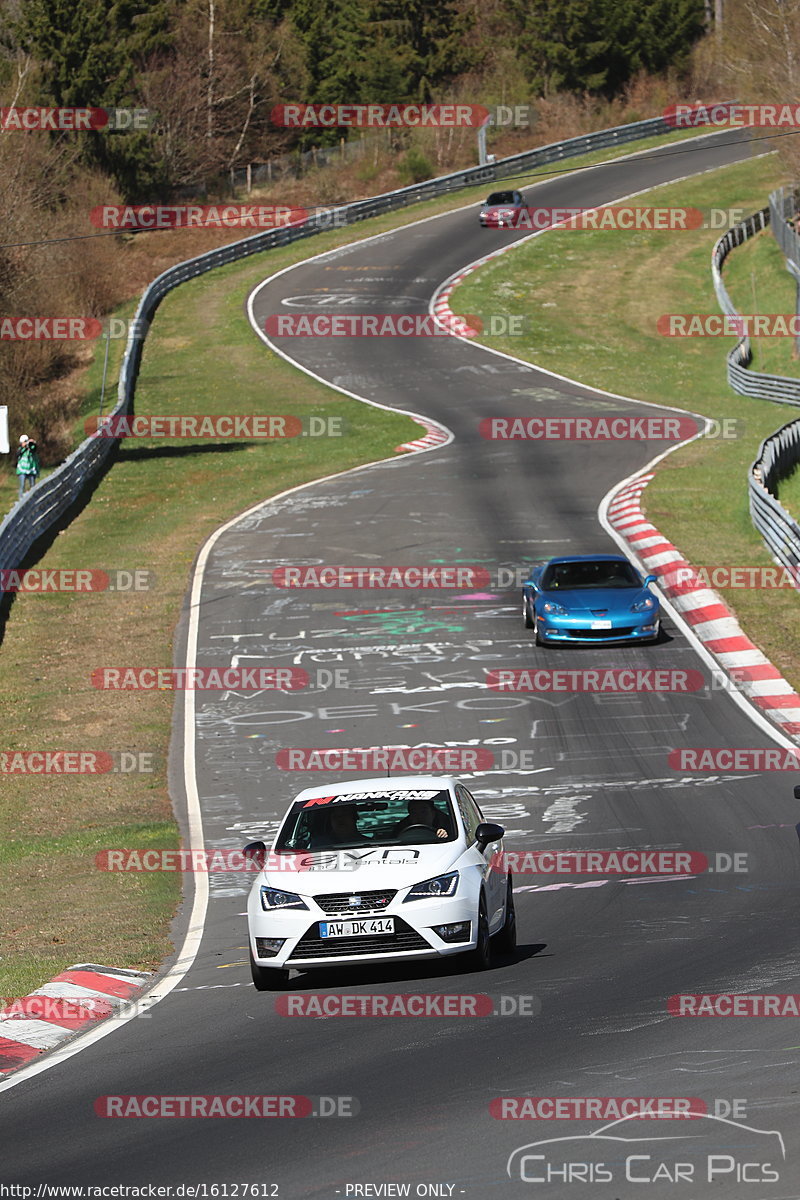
[374, 818]
[600, 574]
[502, 198]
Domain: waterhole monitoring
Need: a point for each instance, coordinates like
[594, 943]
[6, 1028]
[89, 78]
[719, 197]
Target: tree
[760, 61]
[597, 46]
[88, 53]
[89, 49]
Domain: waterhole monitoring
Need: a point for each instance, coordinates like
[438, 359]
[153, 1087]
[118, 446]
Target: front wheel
[539, 640]
[267, 979]
[526, 613]
[481, 957]
[506, 939]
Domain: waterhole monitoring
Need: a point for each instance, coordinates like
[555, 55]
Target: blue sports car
[590, 598]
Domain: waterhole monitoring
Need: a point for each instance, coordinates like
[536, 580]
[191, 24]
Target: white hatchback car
[376, 870]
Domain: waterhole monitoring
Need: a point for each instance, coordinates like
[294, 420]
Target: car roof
[380, 782]
[569, 558]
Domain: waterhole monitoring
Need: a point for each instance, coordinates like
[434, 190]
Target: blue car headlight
[646, 604]
[557, 610]
[272, 898]
[434, 889]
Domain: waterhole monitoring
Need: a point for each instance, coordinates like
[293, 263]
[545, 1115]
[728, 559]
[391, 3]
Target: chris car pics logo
[628, 1154]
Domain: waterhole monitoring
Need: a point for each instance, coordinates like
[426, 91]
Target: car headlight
[272, 898]
[558, 610]
[644, 605]
[433, 889]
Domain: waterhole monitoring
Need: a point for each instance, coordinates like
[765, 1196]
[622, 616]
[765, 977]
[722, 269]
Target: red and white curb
[82, 994]
[710, 619]
[435, 435]
[440, 306]
[455, 324]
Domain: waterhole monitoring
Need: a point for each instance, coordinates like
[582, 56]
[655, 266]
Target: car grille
[313, 946]
[337, 904]
[602, 634]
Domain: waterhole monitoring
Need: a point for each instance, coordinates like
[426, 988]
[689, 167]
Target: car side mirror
[531, 583]
[255, 852]
[488, 832]
[650, 579]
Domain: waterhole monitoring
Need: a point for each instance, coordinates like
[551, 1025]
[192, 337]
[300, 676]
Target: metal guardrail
[782, 212]
[46, 504]
[778, 454]
[777, 458]
[779, 388]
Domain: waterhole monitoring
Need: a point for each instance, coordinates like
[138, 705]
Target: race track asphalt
[600, 960]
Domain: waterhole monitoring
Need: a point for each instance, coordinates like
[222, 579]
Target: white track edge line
[191, 943]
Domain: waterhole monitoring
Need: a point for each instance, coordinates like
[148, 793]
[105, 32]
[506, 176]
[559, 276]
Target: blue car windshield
[601, 574]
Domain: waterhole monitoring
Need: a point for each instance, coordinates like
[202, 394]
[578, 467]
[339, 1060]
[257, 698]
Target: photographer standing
[27, 463]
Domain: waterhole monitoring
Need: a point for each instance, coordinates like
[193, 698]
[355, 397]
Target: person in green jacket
[27, 463]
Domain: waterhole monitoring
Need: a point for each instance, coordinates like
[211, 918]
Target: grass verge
[156, 506]
[592, 300]
[153, 510]
[169, 247]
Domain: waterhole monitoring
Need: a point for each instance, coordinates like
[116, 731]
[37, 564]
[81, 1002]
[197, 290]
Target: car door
[494, 880]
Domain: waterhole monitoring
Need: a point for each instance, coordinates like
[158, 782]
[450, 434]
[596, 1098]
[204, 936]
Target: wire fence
[300, 162]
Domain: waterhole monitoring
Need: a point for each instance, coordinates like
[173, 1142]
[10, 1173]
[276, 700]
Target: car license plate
[601, 624]
[366, 928]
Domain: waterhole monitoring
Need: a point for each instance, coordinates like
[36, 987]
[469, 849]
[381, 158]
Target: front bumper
[414, 936]
[630, 627]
